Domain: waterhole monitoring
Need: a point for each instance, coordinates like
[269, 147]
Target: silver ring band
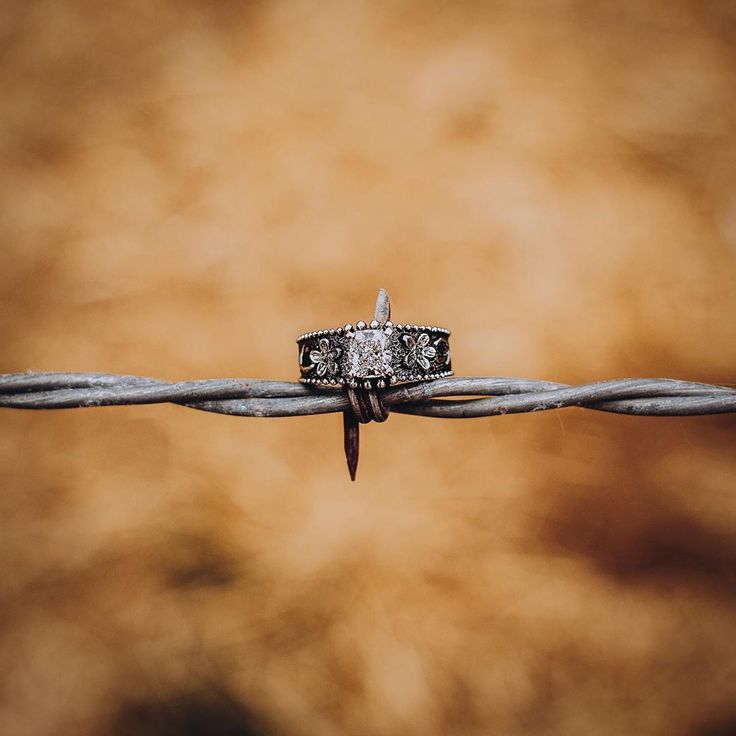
[374, 356]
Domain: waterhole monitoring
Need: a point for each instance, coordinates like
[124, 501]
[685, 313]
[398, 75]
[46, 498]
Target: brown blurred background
[187, 186]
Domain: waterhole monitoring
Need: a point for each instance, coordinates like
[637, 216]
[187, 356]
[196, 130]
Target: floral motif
[420, 352]
[325, 359]
[443, 350]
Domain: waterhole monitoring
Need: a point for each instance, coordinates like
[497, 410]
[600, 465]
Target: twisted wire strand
[264, 398]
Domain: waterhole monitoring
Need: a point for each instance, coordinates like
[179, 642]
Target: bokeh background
[187, 186]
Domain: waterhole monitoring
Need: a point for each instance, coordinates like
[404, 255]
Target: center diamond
[368, 355]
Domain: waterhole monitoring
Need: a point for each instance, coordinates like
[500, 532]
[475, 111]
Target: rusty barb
[366, 405]
[482, 396]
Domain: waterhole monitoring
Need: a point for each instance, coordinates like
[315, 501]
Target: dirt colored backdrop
[187, 186]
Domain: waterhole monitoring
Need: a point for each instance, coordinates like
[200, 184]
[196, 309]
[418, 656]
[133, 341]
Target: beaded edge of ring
[348, 328]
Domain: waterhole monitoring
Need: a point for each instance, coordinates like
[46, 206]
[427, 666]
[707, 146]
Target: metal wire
[262, 398]
[451, 398]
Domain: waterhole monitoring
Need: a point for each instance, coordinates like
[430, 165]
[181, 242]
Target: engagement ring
[374, 355]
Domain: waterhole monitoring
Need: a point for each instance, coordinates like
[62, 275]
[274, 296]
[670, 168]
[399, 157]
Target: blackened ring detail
[374, 356]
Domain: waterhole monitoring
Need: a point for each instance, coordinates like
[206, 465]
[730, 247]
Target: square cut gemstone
[368, 355]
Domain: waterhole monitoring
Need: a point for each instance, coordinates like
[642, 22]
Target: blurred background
[187, 186]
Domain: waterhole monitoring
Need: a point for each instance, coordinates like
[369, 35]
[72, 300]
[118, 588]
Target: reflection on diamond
[368, 356]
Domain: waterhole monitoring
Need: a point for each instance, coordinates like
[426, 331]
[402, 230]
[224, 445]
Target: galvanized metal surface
[263, 398]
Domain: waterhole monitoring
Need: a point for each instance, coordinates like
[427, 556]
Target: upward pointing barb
[382, 312]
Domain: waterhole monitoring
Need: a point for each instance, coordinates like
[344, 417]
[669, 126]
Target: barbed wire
[441, 398]
[450, 398]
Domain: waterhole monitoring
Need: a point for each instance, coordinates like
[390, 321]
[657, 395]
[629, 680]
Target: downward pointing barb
[351, 430]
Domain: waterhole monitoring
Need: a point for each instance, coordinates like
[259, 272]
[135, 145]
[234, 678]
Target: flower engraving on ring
[325, 359]
[420, 352]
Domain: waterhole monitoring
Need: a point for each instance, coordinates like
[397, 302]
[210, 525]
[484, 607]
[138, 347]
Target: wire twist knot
[367, 406]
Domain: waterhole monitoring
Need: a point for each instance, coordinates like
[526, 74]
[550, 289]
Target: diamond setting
[371, 357]
[368, 355]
